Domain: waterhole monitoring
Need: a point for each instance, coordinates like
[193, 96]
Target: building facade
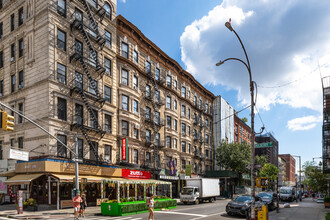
[326, 125]
[282, 172]
[271, 151]
[223, 123]
[290, 169]
[242, 132]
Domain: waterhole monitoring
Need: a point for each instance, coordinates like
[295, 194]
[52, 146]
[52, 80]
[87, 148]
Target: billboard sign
[18, 155]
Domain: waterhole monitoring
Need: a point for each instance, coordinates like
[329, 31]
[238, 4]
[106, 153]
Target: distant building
[290, 169]
[270, 151]
[242, 131]
[223, 122]
[326, 125]
[282, 171]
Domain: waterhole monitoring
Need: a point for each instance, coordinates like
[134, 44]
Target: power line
[263, 124]
[236, 112]
[293, 81]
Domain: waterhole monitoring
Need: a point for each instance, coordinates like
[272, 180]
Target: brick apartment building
[290, 169]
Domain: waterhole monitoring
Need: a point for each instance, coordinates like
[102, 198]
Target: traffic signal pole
[75, 153]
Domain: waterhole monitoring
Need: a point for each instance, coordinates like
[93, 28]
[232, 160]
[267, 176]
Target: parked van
[288, 193]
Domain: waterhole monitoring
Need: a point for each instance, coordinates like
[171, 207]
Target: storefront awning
[135, 181]
[22, 179]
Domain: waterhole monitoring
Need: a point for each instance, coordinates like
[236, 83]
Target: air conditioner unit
[137, 126]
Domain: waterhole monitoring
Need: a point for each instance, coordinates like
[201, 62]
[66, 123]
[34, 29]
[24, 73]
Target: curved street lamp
[247, 65]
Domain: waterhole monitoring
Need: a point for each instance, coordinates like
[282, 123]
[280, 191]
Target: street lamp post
[300, 196]
[247, 65]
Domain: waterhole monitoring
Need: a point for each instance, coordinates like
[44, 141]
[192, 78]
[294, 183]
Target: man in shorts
[76, 205]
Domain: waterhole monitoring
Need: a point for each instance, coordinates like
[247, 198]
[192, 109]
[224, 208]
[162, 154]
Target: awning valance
[22, 179]
[135, 181]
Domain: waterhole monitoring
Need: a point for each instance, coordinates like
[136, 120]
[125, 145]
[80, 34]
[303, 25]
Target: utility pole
[75, 159]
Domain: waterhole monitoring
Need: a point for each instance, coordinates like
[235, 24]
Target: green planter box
[132, 208]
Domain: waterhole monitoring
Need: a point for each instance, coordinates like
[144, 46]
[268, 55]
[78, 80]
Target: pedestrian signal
[7, 121]
[262, 182]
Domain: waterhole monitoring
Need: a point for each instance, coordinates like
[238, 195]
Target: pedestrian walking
[76, 205]
[83, 205]
[150, 203]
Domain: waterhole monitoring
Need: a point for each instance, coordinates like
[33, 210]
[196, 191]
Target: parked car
[241, 205]
[269, 198]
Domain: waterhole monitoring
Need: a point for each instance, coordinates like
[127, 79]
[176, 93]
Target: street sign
[262, 182]
[78, 160]
[267, 144]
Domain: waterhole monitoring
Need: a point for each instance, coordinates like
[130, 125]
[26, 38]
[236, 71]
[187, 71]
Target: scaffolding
[326, 124]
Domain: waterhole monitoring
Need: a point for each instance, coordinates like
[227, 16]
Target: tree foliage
[270, 171]
[233, 156]
[315, 179]
[244, 119]
[260, 160]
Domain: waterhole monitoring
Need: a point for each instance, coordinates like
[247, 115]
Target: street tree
[316, 180]
[260, 162]
[244, 119]
[270, 171]
[234, 156]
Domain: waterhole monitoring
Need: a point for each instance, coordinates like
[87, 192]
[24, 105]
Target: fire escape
[326, 124]
[197, 134]
[152, 121]
[92, 99]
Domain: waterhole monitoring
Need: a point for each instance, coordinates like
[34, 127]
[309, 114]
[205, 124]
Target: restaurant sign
[126, 173]
[124, 148]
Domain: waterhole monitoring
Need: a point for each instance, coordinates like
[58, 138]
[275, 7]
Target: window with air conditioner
[135, 82]
[12, 52]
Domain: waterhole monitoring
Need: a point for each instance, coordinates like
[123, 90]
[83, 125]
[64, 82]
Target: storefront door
[53, 191]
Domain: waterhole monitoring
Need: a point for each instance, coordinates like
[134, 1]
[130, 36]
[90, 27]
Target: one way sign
[262, 182]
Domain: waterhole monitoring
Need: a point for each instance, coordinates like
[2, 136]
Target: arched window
[107, 9]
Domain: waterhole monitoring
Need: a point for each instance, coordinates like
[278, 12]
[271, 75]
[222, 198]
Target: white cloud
[123, 1]
[303, 123]
[284, 41]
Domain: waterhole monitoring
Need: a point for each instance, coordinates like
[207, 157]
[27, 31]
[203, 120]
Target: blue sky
[286, 42]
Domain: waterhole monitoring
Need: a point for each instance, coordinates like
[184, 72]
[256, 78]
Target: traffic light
[7, 121]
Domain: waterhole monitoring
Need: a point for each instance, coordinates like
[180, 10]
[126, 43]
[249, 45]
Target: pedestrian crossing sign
[262, 182]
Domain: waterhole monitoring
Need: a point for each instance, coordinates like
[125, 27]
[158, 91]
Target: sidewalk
[304, 210]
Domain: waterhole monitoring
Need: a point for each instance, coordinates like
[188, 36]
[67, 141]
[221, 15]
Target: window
[61, 109]
[20, 47]
[1, 29]
[147, 113]
[135, 82]
[175, 143]
[148, 136]
[12, 22]
[124, 77]
[93, 57]
[206, 138]
[148, 91]
[136, 133]
[108, 38]
[175, 124]
[175, 105]
[20, 79]
[79, 114]
[124, 50]
[107, 153]
[107, 94]
[157, 74]
[183, 110]
[20, 142]
[183, 145]
[206, 107]
[124, 102]
[61, 149]
[61, 7]
[169, 121]
[148, 67]
[169, 141]
[12, 143]
[93, 118]
[107, 123]
[107, 9]
[168, 102]
[135, 156]
[80, 148]
[61, 73]
[107, 66]
[207, 153]
[78, 80]
[200, 104]
[183, 128]
[13, 83]
[189, 113]
[135, 106]
[1, 59]
[168, 81]
[183, 92]
[93, 87]
[1, 88]
[20, 109]
[12, 52]
[78, 15]
[189, 148]
[189, 130]
[148, 158]
[78, 47]
[124, 128]
[93, 151]
[157, 117]
[206, 122]
[175, 84]
[20, 16]
[61, 39]
[183, 164]
[157, 96]
[135, 56]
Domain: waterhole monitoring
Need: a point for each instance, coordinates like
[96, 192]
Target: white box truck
[199, 190]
